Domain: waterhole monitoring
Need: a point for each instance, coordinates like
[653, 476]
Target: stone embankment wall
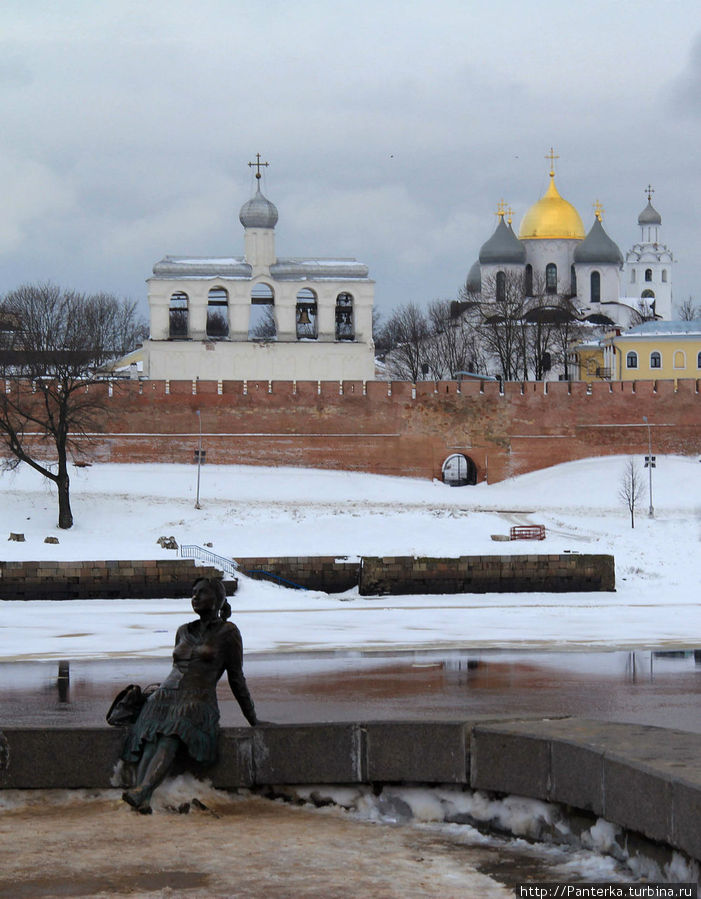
[399, 575]
[332, 574]
[118, 579]
[374, 576]
[645, 779]
[392, 428]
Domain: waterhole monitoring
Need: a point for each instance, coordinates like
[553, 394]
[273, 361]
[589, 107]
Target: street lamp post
[199, 461]
[650, 465]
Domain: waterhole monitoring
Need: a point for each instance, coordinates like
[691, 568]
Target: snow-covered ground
[121, 510]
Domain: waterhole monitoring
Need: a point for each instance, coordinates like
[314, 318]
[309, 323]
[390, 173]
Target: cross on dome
[258, 165]
[598, 210]
[649, 190]
[501, 209]
[552, 156]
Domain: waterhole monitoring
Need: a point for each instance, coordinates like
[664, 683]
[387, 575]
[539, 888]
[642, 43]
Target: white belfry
[257, 316]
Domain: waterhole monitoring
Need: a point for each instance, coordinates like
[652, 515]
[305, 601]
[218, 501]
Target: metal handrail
[192, 551]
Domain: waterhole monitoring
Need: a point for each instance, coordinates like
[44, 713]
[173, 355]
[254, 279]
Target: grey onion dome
[474, 278]
[502, 247]
[258, 212]
[598, 247]
[649, 216]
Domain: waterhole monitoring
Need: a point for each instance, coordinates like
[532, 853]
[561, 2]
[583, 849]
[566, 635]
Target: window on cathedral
[261, 322]
[528, 281]
[698, 361]
[648, 274]
[573, 281]
[664, 275]
[501, 287]
[679, 359]
[595, 287]
[647, 295]
[306, 316]
[177, 316]
[345, 329]
[655, 360]
[632, 276]
[632, 360]
[217, 313]
[551, 278]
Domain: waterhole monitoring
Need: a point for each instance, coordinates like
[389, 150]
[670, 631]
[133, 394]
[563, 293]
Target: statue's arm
[234, 672]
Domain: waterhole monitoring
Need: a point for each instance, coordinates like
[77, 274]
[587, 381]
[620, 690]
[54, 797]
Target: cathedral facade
[553, 258]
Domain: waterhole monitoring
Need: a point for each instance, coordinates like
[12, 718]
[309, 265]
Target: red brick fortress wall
[394, 428]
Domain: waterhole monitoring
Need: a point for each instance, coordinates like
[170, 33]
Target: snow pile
[599, 852]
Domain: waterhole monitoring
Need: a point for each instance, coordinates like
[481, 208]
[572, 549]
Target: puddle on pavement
[647, 687]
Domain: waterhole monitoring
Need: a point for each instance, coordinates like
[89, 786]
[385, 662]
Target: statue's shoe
[135, 799]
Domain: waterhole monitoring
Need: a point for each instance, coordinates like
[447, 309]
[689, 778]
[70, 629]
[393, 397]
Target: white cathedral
[553, 255]
[206, 321]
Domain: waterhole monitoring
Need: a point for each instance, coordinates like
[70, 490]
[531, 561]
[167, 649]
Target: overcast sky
[392, 130]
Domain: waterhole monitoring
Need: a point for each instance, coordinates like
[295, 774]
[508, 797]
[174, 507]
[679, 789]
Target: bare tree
[405, 334]
[501, 328]
[452, 345]
[60, 338]
[632, 488]
[264, 328]
[689, 311]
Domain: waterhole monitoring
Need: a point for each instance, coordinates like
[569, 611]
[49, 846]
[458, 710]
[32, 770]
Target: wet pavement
[660, 688]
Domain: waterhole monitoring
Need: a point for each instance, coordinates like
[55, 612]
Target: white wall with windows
[258, 316]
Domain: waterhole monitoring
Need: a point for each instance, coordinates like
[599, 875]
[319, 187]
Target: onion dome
[649, 215]
[258, 212]
[474, 278]
[552, 217]
[598, 247]
[503, 247]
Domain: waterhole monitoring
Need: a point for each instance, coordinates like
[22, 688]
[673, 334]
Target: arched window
[655, 360]
[647, 295]
[679, 359]
[632, 276]
[528, 281]
[501, 287]
[217, 313]
[632, 360]
[595, 287]
[664, 275]
[698, 361]
[648, 274]
[551, 278]
[306, 315]
[345, 329]
[573, 281]
[261, 323]
[177, 316]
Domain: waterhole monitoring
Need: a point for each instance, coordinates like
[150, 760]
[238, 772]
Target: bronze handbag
[128, 704]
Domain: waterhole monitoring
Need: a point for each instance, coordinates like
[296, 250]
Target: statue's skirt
[192, 715]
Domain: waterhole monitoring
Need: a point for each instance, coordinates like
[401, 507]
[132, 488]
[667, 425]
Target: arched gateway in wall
[459, 470]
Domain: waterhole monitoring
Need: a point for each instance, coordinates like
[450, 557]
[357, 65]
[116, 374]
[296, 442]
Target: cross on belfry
[649, 191]
[552, 156]
[258, 165]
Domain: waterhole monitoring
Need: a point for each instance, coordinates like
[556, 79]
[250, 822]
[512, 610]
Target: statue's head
[209, 593]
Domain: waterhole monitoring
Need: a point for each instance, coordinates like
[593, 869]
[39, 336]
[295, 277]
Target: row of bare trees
[52, 345]
[518, 337]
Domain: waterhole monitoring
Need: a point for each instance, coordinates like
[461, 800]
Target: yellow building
[586, 362]
[654, 351]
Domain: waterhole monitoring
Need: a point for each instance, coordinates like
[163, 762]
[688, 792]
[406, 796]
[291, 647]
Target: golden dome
[552, 217]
